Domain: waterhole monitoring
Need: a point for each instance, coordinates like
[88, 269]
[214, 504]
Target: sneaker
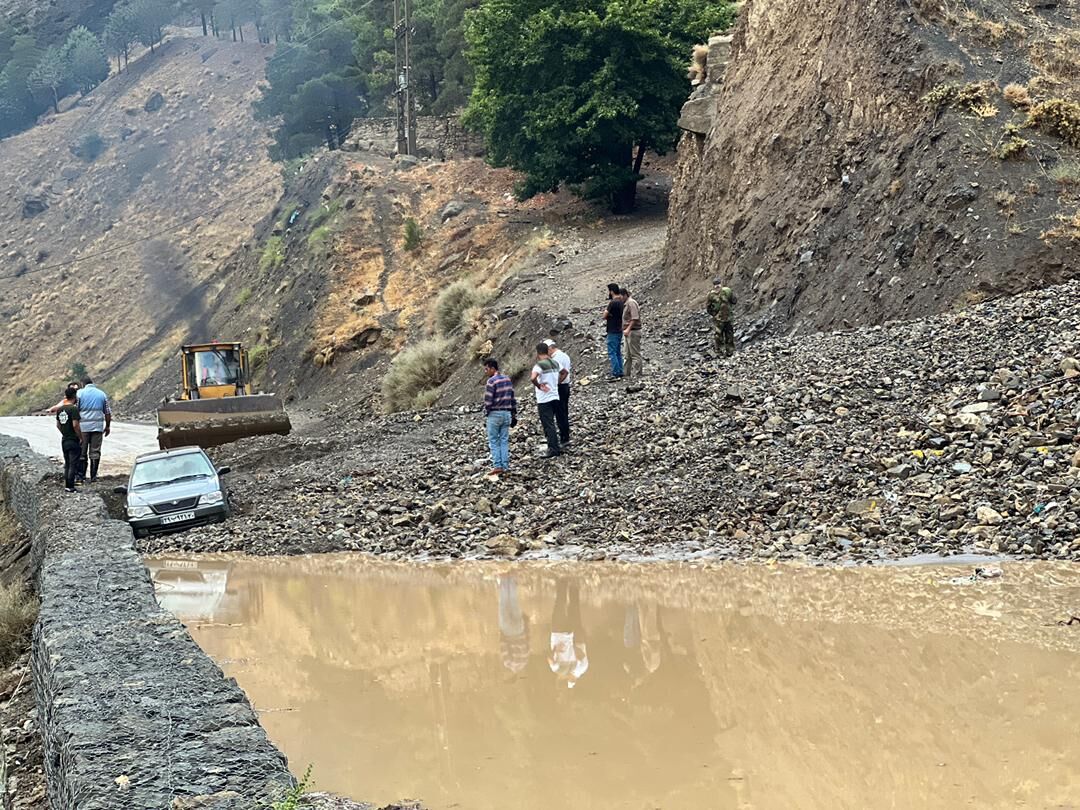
[495, 472]
[551, 454]
[70, 489]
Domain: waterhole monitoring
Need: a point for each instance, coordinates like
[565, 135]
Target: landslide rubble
[958, 433]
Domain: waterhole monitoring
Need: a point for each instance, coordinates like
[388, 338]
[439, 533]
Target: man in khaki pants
[632, 333]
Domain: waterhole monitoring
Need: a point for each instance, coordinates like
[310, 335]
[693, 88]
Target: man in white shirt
[545, 381]
[562, 417]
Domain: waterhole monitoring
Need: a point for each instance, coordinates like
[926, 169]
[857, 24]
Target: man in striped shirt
[500, 408]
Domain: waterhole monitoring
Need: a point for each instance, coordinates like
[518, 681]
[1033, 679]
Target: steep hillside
[327, 293]
[119, 212]
[52, 20]
[869, 160]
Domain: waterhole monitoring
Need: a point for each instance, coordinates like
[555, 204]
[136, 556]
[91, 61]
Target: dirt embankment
[867, 162]
[119, 211]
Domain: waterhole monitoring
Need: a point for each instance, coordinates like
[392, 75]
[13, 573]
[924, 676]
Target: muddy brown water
[484, 686]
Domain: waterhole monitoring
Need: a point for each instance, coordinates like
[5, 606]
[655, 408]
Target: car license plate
[179, 517]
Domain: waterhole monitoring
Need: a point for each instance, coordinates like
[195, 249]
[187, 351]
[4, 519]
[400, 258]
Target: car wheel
[141, 534]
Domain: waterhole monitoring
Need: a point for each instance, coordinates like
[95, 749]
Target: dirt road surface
[117, 453]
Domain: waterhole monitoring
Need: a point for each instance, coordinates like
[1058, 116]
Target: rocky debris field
[958, 433]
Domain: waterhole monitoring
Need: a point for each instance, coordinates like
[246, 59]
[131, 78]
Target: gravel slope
[958, 433]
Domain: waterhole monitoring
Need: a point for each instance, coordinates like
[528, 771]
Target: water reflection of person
[644, 641]
[569, 658]
[513, 627]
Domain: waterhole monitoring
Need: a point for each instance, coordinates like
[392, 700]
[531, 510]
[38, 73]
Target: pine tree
[121, 32]
[87, 63]
[49, 75]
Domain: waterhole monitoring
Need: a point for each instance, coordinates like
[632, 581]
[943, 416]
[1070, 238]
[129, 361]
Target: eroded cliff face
[841, 183]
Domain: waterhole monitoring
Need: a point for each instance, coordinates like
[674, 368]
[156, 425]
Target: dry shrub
[415, 373]
[18, 610]
[974, 98]
[1005, 199]
[1057, 117]
[1059, 56]
[1013, 147]
[699, 62]
[1017, 95]
[1068, 228]
[453, 304]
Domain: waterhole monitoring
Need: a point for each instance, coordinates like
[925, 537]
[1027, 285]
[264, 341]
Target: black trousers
[562, 416]
[72, 449]
[548, 421]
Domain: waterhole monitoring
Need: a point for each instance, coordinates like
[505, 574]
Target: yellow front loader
[216, 405]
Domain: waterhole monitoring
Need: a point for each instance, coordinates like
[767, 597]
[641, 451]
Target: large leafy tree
[87, 63]
[576, 91]
[315, 89]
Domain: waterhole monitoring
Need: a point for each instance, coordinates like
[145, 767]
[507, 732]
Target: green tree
[315, 90]
[150, 18]
[205, 9]
[121, 31]
[576, 91]
[49, 75]
[277, 19]
[87, 63]
[20, 106]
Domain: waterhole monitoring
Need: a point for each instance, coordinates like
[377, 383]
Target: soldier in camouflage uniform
[720, 304]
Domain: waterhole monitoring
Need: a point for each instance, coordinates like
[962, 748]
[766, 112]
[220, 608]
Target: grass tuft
[273, 254]
[18, 611]
[454, 302]
[415, 373]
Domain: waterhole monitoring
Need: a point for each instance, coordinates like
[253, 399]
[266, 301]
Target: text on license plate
[179, 517]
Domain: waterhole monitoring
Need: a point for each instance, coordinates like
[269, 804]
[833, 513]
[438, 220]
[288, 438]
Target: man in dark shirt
[67, 422]
[613, 315]
[500, 408]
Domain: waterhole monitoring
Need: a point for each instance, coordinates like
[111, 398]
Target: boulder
[154, 103]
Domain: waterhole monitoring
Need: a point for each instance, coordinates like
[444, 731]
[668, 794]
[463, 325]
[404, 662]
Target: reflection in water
[652, 687]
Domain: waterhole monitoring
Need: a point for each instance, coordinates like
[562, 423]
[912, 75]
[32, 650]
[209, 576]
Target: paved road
[117, 453]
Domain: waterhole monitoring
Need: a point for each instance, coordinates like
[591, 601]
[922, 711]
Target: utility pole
[406, 112]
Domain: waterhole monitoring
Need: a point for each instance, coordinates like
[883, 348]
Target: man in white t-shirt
[545, 381]
[565, 374]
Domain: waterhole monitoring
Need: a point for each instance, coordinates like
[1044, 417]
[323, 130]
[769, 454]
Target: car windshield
[169, 469]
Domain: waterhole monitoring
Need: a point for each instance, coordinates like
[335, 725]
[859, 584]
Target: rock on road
[125, 441]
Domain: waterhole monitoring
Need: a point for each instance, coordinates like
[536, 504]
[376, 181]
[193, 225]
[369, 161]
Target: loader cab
[214, 371]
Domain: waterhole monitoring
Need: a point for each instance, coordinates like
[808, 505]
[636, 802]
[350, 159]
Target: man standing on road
[631, 320]
[500, 408]
[96, 416]
[720, 303]
[562, 417]
[613, 318]
[545, 379]
[67, 422]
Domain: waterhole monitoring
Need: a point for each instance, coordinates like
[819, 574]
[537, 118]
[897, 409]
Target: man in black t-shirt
[67, 422]
[613, 315]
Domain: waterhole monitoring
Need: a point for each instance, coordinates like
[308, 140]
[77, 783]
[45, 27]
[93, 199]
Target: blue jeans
[498, 431]
[614, 353]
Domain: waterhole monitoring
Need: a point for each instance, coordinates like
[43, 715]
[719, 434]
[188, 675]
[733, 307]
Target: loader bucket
[212, 422]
